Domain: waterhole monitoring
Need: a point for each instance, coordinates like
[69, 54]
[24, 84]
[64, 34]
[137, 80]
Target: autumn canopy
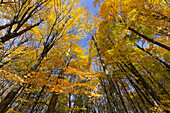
[57, 56]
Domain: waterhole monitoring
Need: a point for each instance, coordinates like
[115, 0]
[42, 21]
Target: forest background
[65, 56]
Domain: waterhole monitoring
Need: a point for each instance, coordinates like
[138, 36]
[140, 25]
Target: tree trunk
[148, 39]
[36, 100]
[138, 91]
[9, 98]
[128, 97]
[159, 85]
[52, 103]
[107, 95]
[116, 97]
[147, 87]
[11, 95]
[121, 97]
[158, 59]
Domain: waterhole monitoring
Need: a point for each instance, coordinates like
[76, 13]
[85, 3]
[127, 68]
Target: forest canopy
[57, 57]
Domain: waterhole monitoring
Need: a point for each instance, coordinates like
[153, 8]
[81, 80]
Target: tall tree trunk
[107, 95]
[147, 87]
[69, 98]
[158, 59]
[52, 103]
[160, 86]
[148, 39]
[137, 89]
[9, 98]
[69, 101]
[141, 110]
[11, 95]
[121, 97]
[128, 96]
[116, 97]
[36, 100]
[54, 98]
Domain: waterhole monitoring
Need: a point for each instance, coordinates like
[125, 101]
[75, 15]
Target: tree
[46, 68]
[119, 43]
[63, 22]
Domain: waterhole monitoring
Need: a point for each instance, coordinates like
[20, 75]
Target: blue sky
[89, 3]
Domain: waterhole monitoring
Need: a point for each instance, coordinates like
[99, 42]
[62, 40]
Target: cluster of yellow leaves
[10, 76]
[76, 108]
[141, 13]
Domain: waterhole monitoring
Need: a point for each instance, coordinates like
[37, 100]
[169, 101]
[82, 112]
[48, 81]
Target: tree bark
[121, 97]
[52, 103]
[11, 95]
[137, 89]
[107, 95]
[158, 59]
[159, 85]
[128, 96]
[36, 100]
[148, 39]
[9, 98]
[147, 87]
[116, 97]
[54, 98]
